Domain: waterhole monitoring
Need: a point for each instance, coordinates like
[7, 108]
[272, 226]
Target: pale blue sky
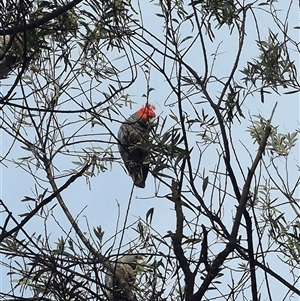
[114, 186]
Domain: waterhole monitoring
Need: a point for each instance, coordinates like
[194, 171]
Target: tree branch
[177, 241]
[246, 188]
[42, 21]
[128, 294]
[56, 192]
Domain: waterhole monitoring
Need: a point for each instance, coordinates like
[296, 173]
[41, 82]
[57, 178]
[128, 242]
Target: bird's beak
[139, 261]
[151, 120]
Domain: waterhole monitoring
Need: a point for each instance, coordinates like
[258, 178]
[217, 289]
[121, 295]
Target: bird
[7, 64]
[132, 136]
[125, 266]
[11, 57]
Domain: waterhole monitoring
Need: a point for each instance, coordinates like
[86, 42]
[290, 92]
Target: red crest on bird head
[146, 112]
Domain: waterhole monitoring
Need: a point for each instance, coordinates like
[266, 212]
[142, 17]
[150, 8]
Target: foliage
[220, 158]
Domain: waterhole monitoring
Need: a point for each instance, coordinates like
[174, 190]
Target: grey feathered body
[126, 268]
[132, 134]
[9, 61]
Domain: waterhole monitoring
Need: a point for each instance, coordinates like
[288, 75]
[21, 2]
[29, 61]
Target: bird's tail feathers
[138, 178]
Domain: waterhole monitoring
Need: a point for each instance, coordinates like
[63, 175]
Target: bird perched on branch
[10, 54]
[132, 136]
[125, 267]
